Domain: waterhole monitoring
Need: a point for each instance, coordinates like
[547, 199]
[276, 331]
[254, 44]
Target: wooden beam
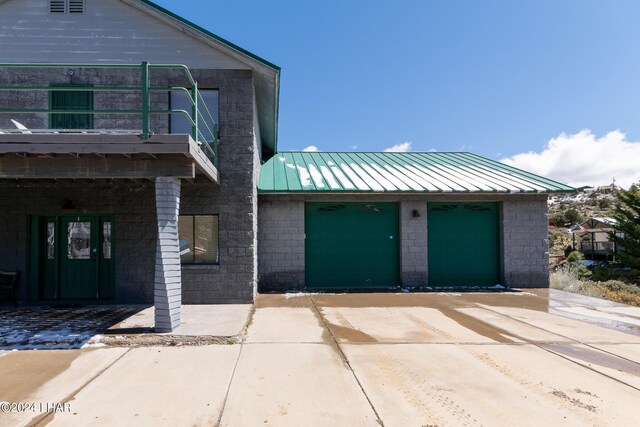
[92, 167]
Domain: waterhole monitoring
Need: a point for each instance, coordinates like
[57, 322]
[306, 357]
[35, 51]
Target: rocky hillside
[567, 210]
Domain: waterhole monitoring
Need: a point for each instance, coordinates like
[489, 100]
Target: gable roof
[206, 32]
[433, 172]
[266, 74]
[595, 223]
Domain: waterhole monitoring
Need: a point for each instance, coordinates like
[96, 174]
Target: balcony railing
[205, 135]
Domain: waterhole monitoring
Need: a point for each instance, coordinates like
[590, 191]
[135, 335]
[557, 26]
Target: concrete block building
[138, 164]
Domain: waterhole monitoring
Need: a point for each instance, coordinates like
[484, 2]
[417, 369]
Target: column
[168, 283]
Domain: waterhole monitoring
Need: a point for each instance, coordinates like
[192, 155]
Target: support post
[168, 282]
[194, 111]
[146, 101]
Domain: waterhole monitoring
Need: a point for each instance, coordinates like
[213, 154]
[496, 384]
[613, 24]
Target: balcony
[74, 121]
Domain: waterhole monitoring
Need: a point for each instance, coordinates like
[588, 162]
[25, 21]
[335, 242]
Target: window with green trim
[198, 235]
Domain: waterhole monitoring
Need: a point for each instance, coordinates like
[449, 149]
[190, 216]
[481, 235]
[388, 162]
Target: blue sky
[495, 77]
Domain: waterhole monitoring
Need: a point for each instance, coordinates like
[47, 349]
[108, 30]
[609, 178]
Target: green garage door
[351, 245]
[463, 244]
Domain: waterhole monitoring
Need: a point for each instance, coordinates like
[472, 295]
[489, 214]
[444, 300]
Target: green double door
[351, 246]
[75, 257]
[463, 244]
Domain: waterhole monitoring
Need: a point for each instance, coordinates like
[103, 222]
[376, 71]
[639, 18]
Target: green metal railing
[201, 132]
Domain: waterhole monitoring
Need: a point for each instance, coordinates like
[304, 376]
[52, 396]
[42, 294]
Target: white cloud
[584, 159]
[310, 148]
[353, 147]
[399, 148]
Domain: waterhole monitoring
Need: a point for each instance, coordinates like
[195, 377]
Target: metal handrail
[201, 132]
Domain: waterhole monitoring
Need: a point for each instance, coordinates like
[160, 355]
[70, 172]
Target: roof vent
[76, 6]
[57, 6]
[66, 6]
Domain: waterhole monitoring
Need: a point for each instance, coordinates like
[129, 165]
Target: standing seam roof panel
[397, 173]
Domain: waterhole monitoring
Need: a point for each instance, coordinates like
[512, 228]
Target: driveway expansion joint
[345, 360]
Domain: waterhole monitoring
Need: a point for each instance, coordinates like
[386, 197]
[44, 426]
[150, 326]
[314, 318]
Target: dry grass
[612, 290]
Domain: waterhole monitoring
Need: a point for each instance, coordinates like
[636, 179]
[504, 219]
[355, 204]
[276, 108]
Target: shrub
[617, 286]
[564, 279]
[575, 256]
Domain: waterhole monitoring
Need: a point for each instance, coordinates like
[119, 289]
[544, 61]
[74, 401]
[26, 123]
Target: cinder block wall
[525, 244]
[281, 246]
[234, 200]
[523, 228]
[413, 243]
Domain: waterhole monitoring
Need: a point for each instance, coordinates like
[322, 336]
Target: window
[179, 101]
[70, 100]
[198, 235]
[66, 6]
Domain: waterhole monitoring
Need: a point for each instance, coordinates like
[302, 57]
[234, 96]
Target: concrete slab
[604, 316]
[441, 384]
[295, 385]
[512, 328]
[626, 351]
[220, 320]
[566, 327]
[46, 376]
[611, 365]
[286, 325]
[624, 310]
[157, 386]
[406, 325]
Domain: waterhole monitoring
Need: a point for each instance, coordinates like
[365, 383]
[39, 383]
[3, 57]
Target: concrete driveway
[530, 358]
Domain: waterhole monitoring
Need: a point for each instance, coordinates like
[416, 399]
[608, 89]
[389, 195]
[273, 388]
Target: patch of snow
[316, 176]
[302, 294]
[359, 183]
[405, 180]
[305, 178]
[372, 183]
[282, 158]
[379, 177]
[333, 184]
[346, 184]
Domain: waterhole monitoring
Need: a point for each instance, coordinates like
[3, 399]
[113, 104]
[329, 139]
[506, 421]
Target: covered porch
[75, 189]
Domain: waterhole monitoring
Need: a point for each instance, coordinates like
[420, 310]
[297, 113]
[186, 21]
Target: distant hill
[567, 210]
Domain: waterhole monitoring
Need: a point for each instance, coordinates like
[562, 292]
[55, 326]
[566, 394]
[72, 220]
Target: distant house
[591, 237]
[585, 189]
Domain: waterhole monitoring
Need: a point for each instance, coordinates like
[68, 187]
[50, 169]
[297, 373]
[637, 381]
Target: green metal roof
[433, 172]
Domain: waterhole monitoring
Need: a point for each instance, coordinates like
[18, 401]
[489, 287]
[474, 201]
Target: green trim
[210, 34]
[34, 258]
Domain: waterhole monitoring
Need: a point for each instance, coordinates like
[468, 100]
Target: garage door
[463, 245]
[351, 245]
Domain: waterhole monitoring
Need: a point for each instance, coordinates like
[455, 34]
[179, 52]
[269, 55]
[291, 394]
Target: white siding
[108, 32]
